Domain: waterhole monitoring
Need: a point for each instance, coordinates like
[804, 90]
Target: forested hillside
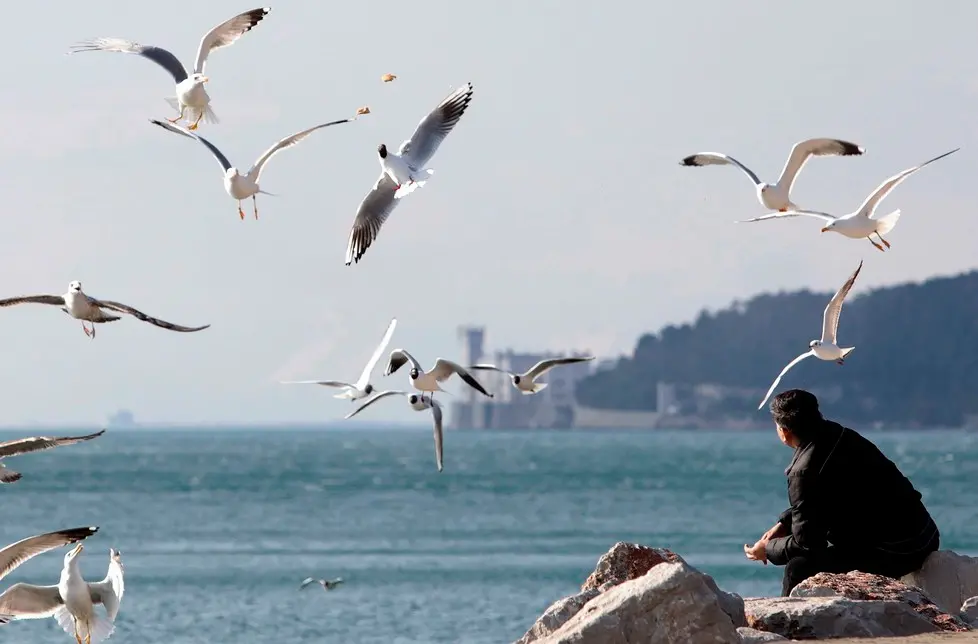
[916, 357]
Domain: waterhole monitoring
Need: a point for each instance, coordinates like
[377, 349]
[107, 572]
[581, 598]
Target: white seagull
[526, 383]
[777, 196]
[190, 92]
[418, 403]
[401, 173]
[860, 223]
[826, 348]
[427, 381]
[362, 388]
[327, 584]
[88, 309]
[34, 444]
[241, 186]
[17, 553]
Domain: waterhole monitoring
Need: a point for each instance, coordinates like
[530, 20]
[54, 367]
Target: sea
[217, 528]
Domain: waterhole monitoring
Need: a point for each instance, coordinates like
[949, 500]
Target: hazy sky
[558, 215]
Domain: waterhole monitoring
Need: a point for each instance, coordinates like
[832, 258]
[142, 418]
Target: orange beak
[825, 230]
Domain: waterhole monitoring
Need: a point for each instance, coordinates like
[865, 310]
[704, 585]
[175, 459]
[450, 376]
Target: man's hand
[757, 552]
[777, 530]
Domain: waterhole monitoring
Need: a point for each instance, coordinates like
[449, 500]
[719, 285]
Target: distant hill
[916, 357]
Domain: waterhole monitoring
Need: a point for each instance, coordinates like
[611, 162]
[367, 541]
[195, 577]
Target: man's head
[796, 415]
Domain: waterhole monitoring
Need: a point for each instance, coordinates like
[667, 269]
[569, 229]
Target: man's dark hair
[797, 411]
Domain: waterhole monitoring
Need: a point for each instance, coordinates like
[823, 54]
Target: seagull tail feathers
[887, 222]
[100, 628]
[847, 351]
[537, 387]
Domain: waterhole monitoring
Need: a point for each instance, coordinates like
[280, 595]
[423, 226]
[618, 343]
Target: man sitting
[851, 508]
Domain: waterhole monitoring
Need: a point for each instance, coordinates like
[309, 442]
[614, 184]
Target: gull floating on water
[34, 444]
[526, 383]
[362, 388]
[826, 348]
[427, 381]
[327, 584]
[241, 186]
[17, 553]
[88, 309]
[777, 196]
[860, 223]
[418, 403]
[401, 173]
[190, 92]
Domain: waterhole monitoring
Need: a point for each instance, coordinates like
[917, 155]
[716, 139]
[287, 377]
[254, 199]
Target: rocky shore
[639, 594]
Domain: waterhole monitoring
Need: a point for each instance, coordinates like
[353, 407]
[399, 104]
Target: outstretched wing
[869, 206]
[173, 127]
[490, 367]
[163, 324]
[781, 375]
[801, 152]
[374, 210]
[444, 369]
[306, 582]
[365, 376]
[371, 401]
[326, 383]
[718, 158]
[17, 553]
[824, 216]
[397, 360]
[830, 317]
[436, 414]
[26, 601]
[54, 300]
[287, 142]
[158, 55]
[545, 365]
[433, 128]
[38, 443]
[227, 33]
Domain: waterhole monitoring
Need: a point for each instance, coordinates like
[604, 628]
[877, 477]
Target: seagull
[777, 196]
[34, 444]
[525, 382]
[190, 92]
[859, 224]
[88, 309]
[362, 388]
[401, 173]
[418, 403]
[241, 186]
[826, 348]
[326, 584]
[427, 381]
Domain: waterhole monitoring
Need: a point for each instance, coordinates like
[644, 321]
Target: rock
[948, 578]
[808, 618]
[555, 616]
[626, 561]
[969, 611]
[671, 604]
[864, 586]
[753, 636]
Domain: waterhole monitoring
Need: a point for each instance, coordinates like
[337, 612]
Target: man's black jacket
[844, 491]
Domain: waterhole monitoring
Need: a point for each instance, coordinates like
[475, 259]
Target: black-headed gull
[526, 383]
[427, 381]
[826, 348]
[241, 186]
[327, 584]
[362, 387]
[418, 403]
[34, 444]
[777, 196]
[88, 309]
[860, 223]
[190, 93]
[401, 173]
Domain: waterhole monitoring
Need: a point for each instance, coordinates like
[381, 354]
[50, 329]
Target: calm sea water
[217, 528]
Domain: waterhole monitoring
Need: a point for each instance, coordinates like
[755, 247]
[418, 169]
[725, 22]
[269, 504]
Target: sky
[558, 215]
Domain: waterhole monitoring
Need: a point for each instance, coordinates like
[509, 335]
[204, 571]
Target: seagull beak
[204, 79]
[77, 550]
[825, 230]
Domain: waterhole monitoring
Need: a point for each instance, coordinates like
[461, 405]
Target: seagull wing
[830, 318]
[38, 443]
[781, 375]
[223, 160]
[163, 324]
[489, 367]
[717, 158]
[26, 601]
[158, 55]
[436, 414]
[306, 582]
[56, 300]
[365, 376]
[17, 553]
[433, 129]
[869, 206]
[226, 34]
[444, 369]
[287, 142]
[397, 359]
[545, 365]
[801, 152]
[824, 216]
[371, 401]
[371, 215]
[326, 383]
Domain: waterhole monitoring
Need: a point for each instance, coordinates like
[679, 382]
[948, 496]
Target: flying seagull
[190, 93]
[88, 309]
[17, 553]
[362, 388]
[241, 186]
[34, 444]
[526, 382]
[860, 223]
[418, 403]
[401, 173]
[826, 348]
[72, 601]
[327, 584]
[427, 381]
[777, 196]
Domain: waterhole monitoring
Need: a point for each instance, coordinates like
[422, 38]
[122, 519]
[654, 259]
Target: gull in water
[241, 186]
[362, 388]
[402, 173]
[860, 223]
[427, 381]
[190, 93]
[72, 601]
[826, 348]
[777, 196]
[418, 403]
[17, 553]
[526, 383]
[88, 309]
[327, 584]
[34, 444]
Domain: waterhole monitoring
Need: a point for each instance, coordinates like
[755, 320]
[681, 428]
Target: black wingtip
[689, 161]
[851, 149]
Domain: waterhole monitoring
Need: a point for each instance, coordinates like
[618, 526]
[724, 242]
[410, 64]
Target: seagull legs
[194, 125]
[885, 243]
[77, 636]
[783, 209]
[875, 244]
[89, 333]
[840, 361]
[254, 200]
[183, 108]
[241, 212]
